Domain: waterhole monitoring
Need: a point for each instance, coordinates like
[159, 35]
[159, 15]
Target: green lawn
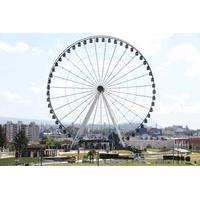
[125, 163]
[158, 149]
[122, 152]
[12, 161]
[149, 162]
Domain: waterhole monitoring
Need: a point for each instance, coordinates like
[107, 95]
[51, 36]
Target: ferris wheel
[98, 84]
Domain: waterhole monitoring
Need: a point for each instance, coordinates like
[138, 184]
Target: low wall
[7, 154]
[141, 144]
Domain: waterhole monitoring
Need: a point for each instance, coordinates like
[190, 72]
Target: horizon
[52, 122]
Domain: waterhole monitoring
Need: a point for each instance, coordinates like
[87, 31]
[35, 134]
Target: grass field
[124, 163]
[12, 161]
[149, 160]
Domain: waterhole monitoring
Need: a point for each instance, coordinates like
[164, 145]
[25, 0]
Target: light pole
[41, 156]
[173, 150]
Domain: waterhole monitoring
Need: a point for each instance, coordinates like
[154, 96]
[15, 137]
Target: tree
[3, 139]
[20, 143]
[48, 141]
[187, 159]
[114, 140]
[91, 154]
[148, 146]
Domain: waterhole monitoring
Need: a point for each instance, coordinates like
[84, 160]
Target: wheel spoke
[77, 107]
[107, 79]
[77, 68]
[92, 84]
[126, 73]
[104, 56]
[66, 79]
[89, 91]
[97, 60]
[82, 111]
[124, 115]
[122, 68]
[90, 62]
[85, 66]
[65, 87]
[110, 62]
[126, 107]
[133, 102]
[134, 86]
[62, 106]
[127, 93]
[132, 79]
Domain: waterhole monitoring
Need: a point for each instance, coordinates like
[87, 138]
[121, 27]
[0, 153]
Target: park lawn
[126, 163]
[121, 164]
[100, 164]
[81, 155]
[73, 164]
[158, 149]
[7, 161]
[122, 152]
[12, 161]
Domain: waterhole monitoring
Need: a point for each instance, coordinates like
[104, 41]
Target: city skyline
[26, 59]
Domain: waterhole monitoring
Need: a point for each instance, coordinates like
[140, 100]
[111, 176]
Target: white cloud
[179, 103]
[37, 89]
[9, 96]
[189, 54]
[161, 67]
[18, 47]
[147, 43]
[193, 70]
[37, 50]
[184, 51]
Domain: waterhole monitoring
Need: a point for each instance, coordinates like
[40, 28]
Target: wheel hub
[100, 88]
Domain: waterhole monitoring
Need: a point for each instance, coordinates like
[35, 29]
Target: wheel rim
[108, 66]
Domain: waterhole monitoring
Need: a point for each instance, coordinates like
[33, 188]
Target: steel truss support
[113, 120]
[88, 115]
[85, 121]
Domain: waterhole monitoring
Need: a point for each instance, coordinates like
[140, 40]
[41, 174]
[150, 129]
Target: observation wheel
[100, 84]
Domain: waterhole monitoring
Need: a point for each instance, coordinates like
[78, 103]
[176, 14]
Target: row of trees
[51, 143]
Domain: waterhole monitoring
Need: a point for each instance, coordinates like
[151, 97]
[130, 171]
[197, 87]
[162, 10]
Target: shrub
[187, 158]
[148, 146]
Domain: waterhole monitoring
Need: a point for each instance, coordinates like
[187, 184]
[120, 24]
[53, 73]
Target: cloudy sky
[25, 61]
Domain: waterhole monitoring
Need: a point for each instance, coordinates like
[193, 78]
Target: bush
[149, 146]
[187, 158]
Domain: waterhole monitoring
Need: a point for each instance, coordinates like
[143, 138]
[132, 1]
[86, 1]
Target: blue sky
[25, 61]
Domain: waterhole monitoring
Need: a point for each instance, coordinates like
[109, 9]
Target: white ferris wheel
[98, 84]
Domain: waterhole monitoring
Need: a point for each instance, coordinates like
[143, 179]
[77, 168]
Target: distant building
[192, 143]
[155, 131]
[176, 130]
[10, 130]
[31, 131]
[168, 132]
